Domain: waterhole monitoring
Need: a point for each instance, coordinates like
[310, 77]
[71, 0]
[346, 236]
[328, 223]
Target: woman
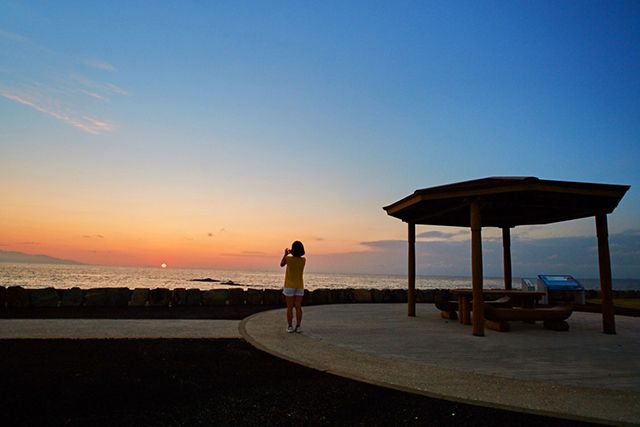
[293, 283]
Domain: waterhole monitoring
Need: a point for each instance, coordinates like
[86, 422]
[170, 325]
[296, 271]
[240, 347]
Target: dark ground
[204, 382]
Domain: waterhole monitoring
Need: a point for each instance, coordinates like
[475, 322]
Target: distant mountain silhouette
[19, 257]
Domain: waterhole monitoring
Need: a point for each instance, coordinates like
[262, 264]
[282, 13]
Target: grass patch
[620, 302]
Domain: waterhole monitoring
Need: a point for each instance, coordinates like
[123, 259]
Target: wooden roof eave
[615, 192]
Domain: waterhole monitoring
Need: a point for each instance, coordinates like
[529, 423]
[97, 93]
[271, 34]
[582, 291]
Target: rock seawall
[19, 297]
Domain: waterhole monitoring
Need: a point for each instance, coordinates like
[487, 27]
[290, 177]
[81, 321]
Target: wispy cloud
[93, 236]
[251, 254]
[96, 89]
[562, 255]
[52, 84]
[441, 235]
[93, 95]
[116, 89]
[25, 42]
[87, 124]
[211, 234]
[98, 64]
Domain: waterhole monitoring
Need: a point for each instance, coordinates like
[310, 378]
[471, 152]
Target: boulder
[424, 295]
[362, 296]
[236, 297]
[97, 297]
[139, 297]
[342, 296]
[307, 298]
[377, 295]
[178, 296]
[272, 297]
[159, 297]
[321, 296]
[398, 295]
[119, 297]
[193, 297]
[336, 296]
[45, 297]
[215, 297]
[387, 295]
[107, 297]
[253, 296]
[17, 296]
[71, 297]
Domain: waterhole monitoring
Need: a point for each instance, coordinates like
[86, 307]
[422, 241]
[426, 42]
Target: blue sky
[217, 128]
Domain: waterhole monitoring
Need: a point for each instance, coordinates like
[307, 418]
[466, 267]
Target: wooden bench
[553, 318]
[448, 307]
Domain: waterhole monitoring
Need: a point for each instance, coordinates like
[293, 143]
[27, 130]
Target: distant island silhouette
[23, 258]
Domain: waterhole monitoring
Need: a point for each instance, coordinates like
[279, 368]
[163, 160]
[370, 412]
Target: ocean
[95, 276]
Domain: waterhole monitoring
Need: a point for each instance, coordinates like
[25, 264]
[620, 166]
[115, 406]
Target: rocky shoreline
[230, 303]
[20, 297]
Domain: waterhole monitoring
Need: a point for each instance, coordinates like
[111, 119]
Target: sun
[163, 265]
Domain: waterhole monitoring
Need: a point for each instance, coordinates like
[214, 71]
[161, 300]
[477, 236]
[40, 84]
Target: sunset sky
[212, 134]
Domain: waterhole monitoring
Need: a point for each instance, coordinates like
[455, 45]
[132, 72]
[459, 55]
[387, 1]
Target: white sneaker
[290, 329]
[298, 329]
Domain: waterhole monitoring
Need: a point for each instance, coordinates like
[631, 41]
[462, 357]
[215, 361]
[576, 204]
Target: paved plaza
[581, 374]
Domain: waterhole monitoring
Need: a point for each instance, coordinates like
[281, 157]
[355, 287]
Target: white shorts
[290, 292]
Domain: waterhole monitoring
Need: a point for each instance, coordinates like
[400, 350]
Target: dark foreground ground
[204, 382]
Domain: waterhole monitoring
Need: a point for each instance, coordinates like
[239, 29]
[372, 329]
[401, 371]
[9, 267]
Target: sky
[213, 134]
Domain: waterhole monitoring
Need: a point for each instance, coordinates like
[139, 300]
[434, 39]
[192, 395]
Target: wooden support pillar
[506, 257]
[604, 263]
[476, 270]
[411, 290]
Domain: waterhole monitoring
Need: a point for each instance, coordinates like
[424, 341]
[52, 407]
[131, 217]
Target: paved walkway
[582, 374]
[117, 328]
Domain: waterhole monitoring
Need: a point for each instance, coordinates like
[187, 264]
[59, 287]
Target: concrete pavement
[117, 328]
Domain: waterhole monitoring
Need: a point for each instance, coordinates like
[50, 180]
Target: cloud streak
[50, 83]
[530, 257]
[87, 124]
[441, 235]
[98, 64]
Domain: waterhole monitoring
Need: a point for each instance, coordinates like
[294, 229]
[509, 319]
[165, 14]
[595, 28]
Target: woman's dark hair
[297, 249]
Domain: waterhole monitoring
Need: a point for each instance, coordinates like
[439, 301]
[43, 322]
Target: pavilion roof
[507, 202]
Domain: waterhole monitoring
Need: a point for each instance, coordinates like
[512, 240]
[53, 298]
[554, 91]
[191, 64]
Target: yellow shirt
[293, 275]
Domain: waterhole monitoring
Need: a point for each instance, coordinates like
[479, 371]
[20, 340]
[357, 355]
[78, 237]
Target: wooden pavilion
[507, 202]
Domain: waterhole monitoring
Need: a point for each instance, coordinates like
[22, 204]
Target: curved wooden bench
[497, 318]
[502, 302]
[447, 306]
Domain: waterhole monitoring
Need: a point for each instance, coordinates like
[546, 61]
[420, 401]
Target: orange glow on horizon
[92, 233]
